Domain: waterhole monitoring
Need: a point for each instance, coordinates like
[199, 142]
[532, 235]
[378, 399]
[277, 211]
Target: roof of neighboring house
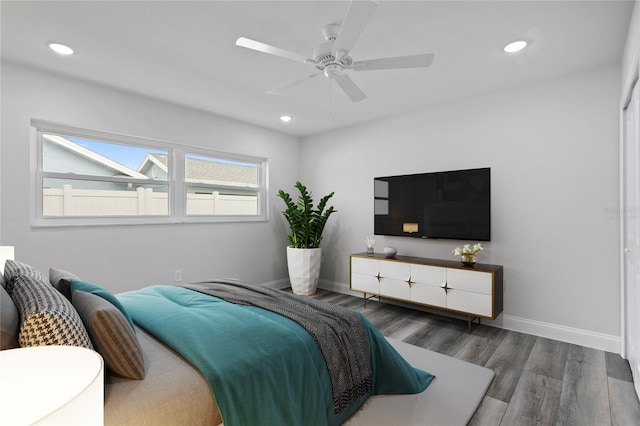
[209, 171]
[146, 166]
[118, 168]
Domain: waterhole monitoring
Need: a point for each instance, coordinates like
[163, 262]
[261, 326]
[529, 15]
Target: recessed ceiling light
[516, 46]
[60, 48]
[285, 118]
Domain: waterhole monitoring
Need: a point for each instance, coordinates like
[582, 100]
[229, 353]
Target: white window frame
[176, 182]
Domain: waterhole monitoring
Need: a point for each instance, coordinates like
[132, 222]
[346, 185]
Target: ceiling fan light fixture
[285, 118]
[60, 48]
[332, 71]
[516, 46]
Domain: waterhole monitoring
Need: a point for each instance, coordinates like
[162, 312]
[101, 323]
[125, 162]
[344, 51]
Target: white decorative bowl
[389, 252]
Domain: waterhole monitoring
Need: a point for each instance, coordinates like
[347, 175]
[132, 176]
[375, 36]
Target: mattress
[172, 392]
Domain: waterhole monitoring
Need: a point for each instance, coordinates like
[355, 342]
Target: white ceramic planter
[304, 269]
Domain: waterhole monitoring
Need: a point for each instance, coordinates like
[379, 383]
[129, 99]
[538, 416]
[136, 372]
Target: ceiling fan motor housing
[323, 55]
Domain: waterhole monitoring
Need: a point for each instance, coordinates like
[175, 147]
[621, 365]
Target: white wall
[553, 151]
[631, 50]
[129, 257]
[552, 147]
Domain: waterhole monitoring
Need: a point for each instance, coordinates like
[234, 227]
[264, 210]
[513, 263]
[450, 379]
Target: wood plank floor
[538, 381]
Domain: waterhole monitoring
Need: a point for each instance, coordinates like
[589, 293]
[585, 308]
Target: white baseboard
[277, 284]
[338, 288]
[578, 336]
[591, 339]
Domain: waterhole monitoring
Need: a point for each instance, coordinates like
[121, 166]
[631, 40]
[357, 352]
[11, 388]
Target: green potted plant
[306, 225]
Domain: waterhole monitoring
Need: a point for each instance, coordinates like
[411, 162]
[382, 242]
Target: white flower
[370, 242]
[467, 250]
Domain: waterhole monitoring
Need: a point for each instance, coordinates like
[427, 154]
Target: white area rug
[451, 399]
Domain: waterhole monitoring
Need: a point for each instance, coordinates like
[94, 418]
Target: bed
[270, 357]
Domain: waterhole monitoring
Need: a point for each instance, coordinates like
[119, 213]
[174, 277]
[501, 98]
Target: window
[93, 178]
[218, 186]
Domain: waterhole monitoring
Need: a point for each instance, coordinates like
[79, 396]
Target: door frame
[632, 83]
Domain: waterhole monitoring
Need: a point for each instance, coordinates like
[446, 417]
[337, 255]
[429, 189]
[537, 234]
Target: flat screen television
[453, 205]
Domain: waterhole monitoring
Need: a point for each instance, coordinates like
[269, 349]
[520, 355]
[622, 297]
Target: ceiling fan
[332, 57]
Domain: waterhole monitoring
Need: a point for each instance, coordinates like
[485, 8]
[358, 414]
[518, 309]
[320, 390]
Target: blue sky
[132, 156]
[126, 155]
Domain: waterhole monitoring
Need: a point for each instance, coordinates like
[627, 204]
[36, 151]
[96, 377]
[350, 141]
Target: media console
[474, 291]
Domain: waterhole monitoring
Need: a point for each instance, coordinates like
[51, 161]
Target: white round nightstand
[51, 385]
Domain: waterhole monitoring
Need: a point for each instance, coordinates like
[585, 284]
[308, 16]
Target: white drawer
[365, 283]
[429, 294]
[395, 288]
[467, 301]
[363, 266]
[395, 270]
[428, 274]
[478, 282]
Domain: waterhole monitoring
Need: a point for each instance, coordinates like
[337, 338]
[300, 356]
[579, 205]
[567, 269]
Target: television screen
[453, 205]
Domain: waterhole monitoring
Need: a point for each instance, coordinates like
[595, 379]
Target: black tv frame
[452, 205]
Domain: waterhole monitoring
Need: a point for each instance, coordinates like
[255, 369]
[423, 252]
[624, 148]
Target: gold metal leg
[470, 319]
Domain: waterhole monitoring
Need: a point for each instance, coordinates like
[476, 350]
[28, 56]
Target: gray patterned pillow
[46, 317]
[9, 321]
[111, 334]
[13, 269]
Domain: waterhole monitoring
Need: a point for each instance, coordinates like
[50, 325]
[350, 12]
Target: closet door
[631, 233]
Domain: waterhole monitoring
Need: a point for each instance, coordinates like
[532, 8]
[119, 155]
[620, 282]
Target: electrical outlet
[177, 275]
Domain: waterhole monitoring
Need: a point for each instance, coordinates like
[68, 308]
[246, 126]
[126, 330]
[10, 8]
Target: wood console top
[481, 267]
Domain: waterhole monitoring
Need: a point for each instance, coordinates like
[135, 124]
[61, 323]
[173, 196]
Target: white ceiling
[184, 51]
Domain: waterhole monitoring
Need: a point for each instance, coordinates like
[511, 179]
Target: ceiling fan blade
[350, 88]
[414, 61]
[278, 90]
[268, 49]
[358, 16]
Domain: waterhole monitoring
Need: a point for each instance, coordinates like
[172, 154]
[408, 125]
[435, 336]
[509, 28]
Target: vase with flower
[371, 242]
[467, 253]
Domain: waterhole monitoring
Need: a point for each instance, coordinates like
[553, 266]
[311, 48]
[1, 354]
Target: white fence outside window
[67, 201]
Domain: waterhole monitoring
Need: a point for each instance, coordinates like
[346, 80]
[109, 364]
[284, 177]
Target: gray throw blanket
[338, 331]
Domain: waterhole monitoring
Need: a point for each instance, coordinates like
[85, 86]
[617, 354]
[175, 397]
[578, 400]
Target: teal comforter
[263, 368]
